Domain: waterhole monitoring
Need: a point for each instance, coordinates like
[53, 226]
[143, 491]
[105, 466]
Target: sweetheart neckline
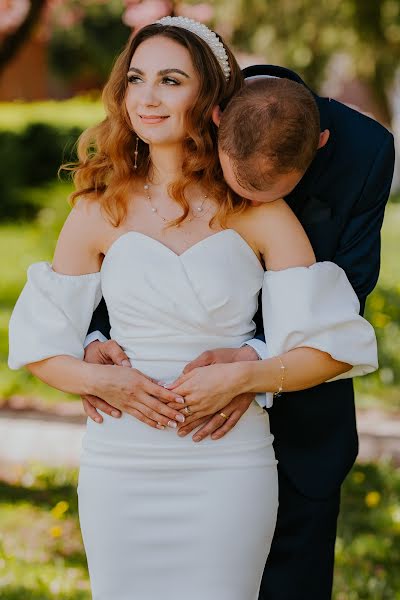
[201, 242]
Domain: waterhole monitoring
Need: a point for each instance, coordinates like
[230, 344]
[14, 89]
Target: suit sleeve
[360, 244]
[100, 320]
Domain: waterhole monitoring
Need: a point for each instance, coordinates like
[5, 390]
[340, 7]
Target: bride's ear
[216, 115]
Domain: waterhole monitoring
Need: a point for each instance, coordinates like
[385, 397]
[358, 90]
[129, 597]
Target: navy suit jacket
[340, 202]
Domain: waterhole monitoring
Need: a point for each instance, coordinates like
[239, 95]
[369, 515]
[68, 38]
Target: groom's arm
[101, 353]
[100, 321]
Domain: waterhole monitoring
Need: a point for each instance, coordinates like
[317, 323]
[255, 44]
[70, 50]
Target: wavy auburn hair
[105, 169]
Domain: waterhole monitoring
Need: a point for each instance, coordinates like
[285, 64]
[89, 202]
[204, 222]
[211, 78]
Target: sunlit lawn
[80, 112]
[368, 543]
[41, 553]
[20, 245]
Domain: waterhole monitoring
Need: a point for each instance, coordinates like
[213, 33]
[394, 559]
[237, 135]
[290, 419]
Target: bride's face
[162, 87]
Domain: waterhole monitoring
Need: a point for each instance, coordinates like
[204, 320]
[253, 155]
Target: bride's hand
[130, 391]
[207, 390]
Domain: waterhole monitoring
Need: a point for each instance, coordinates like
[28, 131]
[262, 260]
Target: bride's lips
[152, 119]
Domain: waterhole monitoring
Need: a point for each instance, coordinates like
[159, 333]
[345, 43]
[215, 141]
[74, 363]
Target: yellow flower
[395, 514]
[372, 499]
[56, 531]
[59, 509]
[358, 476]
[380, 320]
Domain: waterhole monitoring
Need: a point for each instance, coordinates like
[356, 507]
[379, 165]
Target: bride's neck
[166, 164]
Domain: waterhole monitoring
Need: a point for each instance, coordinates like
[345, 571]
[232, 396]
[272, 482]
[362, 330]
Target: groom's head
[268, 136]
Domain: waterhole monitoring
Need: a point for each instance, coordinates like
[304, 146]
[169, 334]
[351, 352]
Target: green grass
[377, 390]
[20, 245]
[41, 552]
[42, 557]
[390, 268]
[368, 543]
[77, 112]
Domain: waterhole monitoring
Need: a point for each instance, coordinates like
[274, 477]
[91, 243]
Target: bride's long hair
[105, 167]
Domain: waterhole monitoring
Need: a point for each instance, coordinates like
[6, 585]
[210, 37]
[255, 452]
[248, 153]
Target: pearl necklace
[195, 215]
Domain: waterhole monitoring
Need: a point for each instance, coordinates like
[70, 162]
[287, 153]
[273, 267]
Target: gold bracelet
[278, 393]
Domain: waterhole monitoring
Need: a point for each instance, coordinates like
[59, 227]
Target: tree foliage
[85, 39]
[13, 41]
[304, 34]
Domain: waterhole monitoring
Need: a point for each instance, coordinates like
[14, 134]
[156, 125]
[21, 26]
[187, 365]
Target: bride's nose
[150, 96]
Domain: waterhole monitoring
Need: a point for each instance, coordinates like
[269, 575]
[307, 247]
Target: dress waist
[164, 357]
[128, 436]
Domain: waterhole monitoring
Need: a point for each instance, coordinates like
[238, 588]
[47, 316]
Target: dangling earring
[136, 152]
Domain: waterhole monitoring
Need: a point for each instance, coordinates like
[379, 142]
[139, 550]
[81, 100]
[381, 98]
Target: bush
[32, 152]
[33, 156]
[43, 149]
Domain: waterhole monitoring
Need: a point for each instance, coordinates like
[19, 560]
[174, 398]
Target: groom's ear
[323, 138]
[216, 115]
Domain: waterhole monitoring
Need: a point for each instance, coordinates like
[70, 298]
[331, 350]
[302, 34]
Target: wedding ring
[224, 415]
[187, 410]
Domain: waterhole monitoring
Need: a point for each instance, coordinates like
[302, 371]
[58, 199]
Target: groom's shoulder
[347, 122]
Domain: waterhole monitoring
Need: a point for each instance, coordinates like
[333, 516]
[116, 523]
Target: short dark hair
[269, 128]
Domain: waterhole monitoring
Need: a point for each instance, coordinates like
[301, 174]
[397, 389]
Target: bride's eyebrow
[162, 72]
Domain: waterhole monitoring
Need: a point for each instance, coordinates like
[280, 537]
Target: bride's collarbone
[179, 238]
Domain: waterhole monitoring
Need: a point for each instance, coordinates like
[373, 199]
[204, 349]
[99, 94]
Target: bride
[180, 261]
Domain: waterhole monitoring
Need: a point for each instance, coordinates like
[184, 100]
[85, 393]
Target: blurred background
[55, 56]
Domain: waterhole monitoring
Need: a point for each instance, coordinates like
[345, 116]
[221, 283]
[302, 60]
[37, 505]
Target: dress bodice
[165, 309]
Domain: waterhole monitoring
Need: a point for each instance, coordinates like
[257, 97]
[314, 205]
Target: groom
[340, 200]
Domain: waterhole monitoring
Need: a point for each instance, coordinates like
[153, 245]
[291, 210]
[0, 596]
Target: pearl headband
[208, 36]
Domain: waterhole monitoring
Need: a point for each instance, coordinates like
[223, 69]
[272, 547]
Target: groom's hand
[216, 425]
[222, 355]
[129, 390]
[103, 353]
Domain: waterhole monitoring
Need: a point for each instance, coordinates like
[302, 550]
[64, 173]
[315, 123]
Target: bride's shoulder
[87, 216]
[278, 235]
[79, 245]
[268, 214]
[88, 208]
[261, 220]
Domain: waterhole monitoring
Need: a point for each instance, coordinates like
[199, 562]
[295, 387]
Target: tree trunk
[13, 42]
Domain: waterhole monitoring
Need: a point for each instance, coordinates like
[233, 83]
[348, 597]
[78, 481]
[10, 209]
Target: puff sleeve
[317, 307]
[52, 315]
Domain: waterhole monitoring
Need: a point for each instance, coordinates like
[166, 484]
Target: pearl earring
[136, 152]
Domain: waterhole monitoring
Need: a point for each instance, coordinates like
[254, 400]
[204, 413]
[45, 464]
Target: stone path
[379, 434]
[25, 439]
[56, 441]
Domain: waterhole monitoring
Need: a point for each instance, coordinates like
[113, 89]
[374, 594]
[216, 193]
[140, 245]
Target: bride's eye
[170, 81]
[133, 79]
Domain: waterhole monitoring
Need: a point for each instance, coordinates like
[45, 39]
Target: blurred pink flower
[139, 14]
[12, 14]
[199, 12]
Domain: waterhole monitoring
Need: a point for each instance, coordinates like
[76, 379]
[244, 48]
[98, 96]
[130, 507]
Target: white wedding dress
[162, 516]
